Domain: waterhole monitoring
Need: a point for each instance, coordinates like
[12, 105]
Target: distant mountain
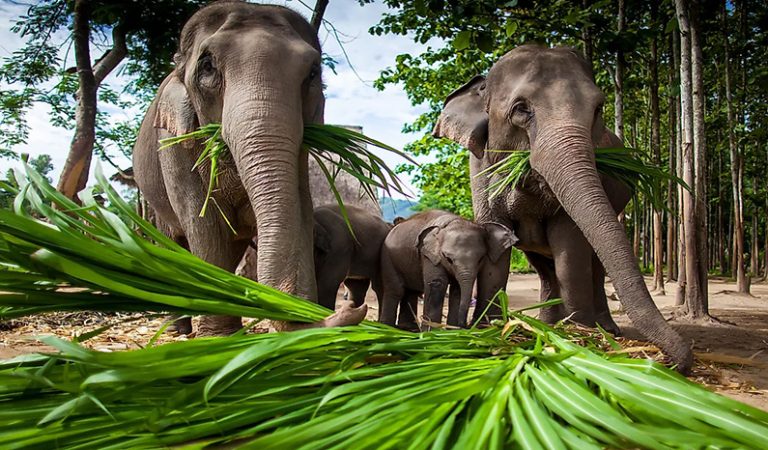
[394, 207]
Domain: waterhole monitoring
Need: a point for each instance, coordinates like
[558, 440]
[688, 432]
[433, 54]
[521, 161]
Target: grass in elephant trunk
[623, 164]
[517, 384]
[323, 142]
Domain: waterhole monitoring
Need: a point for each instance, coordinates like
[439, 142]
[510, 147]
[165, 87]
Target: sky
[351, 98]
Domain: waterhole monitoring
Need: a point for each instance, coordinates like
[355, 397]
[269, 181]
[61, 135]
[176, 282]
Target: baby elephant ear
[463, 119]
[499, 239]
[321, 239]
[428, 245]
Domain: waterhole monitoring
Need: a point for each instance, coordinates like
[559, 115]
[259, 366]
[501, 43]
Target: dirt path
[744, 378]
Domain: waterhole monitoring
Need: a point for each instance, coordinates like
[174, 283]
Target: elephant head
[461, 247]
[546, 100]
[256, 69]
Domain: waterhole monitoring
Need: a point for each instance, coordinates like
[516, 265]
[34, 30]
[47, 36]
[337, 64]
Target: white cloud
[350, 101]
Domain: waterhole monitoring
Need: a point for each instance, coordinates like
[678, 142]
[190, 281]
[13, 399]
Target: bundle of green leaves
[336, 149]
[623, 164]
[520, 384]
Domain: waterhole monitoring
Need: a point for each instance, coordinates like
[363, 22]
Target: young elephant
[341, 257]
[430, 251]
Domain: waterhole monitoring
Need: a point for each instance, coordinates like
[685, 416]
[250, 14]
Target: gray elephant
[339, 256]
[546, 100]
[429, 252]
[256, 69]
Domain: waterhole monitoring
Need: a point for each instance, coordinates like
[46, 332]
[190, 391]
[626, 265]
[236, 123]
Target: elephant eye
[314, 72]
[206, 71]
[521, 108]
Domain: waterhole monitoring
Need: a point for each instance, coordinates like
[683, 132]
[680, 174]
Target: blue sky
[351, 98]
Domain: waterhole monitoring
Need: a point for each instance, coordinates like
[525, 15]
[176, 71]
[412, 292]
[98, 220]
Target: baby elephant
[430, 251]
[341, 257]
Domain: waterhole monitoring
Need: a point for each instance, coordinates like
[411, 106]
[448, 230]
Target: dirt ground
[732, 358]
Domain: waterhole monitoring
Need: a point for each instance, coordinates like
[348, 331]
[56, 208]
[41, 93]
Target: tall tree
[736, 162]
[74, 176]
[658, 230]
[618, 108]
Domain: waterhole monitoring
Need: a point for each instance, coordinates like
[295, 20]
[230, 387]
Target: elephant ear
[499, 239]
[175, 112]
[464, 119]
[428, 245]
[321, 238]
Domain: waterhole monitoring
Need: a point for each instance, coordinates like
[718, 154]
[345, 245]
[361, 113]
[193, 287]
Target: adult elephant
[256, 70]
[545, 100]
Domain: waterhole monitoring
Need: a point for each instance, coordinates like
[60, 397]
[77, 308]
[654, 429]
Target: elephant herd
[256, 69]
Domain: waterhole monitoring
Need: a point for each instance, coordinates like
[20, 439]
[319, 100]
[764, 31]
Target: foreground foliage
[521, 384]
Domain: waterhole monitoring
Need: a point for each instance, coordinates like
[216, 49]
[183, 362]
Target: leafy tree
[142, 35]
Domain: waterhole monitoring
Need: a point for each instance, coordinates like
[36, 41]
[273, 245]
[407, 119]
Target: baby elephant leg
[409, 306]
[358, 287]
[434, 297]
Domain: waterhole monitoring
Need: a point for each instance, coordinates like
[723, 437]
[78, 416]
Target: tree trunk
[317, 14]
[737, 257]
[689, 207]
[754, 264]
[681, 259]
[586, 36]
[698, 298]
[671, 198]
[618, 79]
[658, 248]
[74, 175]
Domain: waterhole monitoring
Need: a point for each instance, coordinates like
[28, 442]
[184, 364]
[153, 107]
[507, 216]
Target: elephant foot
[182, 325]
[219, 326]
[409, 326]
[345, 316]
[607, 323]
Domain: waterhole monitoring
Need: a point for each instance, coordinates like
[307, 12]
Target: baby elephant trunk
[466, 284]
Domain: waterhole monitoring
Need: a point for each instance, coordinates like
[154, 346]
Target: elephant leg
[393, 292]
[573, 268]
[209, 237]
[378, 289]
[409, 307]
[454, 302]
[329, 276]
[602, 312]
[434, 297]
[358, 287]
[549, 287]
[181, 324]
[491, 279]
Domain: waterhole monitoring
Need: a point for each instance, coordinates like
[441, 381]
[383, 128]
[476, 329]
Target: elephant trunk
[265, 139]
[564, 156]
[466, 285]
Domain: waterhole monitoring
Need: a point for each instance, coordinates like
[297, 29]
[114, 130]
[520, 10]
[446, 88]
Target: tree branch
[112, 58]
[317, 14]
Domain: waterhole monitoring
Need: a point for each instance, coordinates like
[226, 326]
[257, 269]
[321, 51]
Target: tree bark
[618, 78]
[318, 13]
[737, 258]
[74, 175]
